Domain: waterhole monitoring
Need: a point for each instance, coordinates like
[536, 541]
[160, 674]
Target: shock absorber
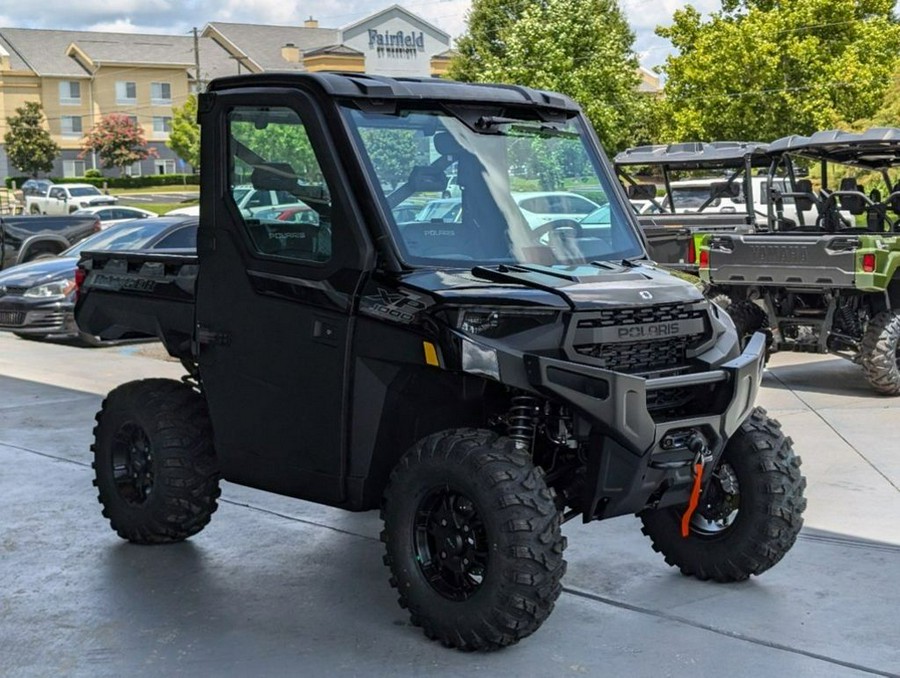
[522, 421]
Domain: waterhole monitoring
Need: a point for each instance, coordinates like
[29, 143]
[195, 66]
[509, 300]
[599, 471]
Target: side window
[271, 153]
[57, 193]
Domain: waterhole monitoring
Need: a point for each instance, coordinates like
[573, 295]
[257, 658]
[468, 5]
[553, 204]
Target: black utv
[480, 378]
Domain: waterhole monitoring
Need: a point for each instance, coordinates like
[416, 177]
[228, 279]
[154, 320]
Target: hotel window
[162, 126]
[133, 170]
[134, 120]
[70, 93]
[126, 92]
[160, 93]
[73, 168]
[70, 125]
[165, 166]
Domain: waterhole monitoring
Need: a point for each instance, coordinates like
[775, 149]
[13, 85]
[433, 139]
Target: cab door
[275, 298]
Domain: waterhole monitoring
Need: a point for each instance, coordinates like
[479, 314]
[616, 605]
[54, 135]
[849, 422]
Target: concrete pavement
[276, 586]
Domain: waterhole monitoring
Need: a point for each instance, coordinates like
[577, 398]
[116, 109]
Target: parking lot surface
[276, 586]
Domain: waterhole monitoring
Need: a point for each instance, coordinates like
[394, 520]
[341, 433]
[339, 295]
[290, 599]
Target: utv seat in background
[876, 213]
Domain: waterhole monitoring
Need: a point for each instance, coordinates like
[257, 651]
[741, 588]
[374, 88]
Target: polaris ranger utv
[826, 284]
[727, 198]
[479, 380]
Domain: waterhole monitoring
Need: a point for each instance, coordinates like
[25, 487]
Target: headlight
[493, 323]
[55, 289]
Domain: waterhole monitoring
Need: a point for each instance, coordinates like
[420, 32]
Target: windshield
[691, 197]
[132, 235]
[522, 191]
[86, 190]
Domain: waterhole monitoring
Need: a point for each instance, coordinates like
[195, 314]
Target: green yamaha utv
[825, 283]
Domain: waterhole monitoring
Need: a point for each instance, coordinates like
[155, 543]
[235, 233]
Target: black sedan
[37, 299]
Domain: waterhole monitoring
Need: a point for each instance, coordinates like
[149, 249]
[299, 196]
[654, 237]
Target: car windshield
[85, 190]
[129, 235]
[523, 189]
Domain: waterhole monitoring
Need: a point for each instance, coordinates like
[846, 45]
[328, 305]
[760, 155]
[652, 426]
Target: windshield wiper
[625, 263]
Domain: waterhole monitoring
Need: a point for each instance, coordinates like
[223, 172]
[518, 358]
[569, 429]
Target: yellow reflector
[431, 356]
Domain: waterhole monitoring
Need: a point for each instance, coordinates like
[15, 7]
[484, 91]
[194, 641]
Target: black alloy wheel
[451, 543]
[719, 507]
[132, 463]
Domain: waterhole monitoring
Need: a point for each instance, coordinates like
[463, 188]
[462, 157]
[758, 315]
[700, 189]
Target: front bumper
[38, 317]
[635, 459]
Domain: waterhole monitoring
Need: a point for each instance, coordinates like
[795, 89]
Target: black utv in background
[479, 381]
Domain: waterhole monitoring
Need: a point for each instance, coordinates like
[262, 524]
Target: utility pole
[197, 86]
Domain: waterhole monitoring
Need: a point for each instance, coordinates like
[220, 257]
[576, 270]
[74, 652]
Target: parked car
[189, 211]
[250, 199]
[406, 211]
[116, 215]
[26, 238]
[538, 208]
[541, 207]
[297, 213]
[446, 209]
[67, 198]
[37, 299]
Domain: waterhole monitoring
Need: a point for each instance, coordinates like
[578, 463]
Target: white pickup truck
[67, 198]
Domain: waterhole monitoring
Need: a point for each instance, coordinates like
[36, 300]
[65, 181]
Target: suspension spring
[522, 421]
[850, 322]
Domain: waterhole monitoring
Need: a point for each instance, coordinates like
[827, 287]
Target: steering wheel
[555, 224]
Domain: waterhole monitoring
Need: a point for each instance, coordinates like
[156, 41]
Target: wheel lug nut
[465, 528]
[443, 522]
[465, 561]
[443, 554]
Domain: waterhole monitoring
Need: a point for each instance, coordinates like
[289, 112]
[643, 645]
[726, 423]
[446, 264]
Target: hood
[581, 288]
[39, 272]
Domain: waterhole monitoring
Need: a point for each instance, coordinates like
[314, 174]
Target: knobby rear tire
[879, 353]
[180, 465]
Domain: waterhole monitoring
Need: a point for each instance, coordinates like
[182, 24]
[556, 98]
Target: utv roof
[698, 155]
[364, 86]
[875, 148]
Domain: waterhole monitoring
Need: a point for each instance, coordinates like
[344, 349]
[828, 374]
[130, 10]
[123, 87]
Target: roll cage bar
[738, 157]
[875, 150]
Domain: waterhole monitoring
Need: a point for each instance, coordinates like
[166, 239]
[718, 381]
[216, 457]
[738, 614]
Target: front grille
[12, 318]
[17, 291]
[639, 357]
[614, 317]
[644, 356]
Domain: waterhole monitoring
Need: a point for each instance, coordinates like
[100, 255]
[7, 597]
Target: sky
[178, 16]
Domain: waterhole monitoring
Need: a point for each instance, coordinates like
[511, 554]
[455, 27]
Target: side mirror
[724, 189]
[427, 179]
[641, 191]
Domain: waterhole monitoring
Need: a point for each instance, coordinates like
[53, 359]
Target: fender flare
[33, 240]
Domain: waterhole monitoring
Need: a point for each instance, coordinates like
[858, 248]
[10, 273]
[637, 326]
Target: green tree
[487, 23]
[582, 48]
[29, 146]
[118, 141]
[184, 138]
[394, 152]
[763, 69]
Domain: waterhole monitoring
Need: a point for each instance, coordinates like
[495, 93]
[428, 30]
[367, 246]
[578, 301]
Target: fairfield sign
[396, 43]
